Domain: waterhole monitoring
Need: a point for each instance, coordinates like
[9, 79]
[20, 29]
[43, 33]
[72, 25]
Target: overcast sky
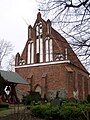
[14, 14]
[14, 17]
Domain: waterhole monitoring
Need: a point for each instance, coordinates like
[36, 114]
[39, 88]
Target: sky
[15, 16]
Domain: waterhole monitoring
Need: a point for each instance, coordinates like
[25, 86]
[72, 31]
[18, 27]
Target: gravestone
[56, 103]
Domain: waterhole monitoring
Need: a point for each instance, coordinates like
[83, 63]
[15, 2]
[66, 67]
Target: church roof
[12, 77]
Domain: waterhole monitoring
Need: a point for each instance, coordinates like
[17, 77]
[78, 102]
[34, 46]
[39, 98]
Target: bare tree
[11, 64]
[73, 19]
[5, 50]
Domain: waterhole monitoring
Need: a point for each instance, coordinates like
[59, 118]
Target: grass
[11, 110]
[1, 109]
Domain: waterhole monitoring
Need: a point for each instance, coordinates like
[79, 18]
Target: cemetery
[36, 108]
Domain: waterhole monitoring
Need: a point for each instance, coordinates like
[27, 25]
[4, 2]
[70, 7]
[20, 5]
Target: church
[49, 64]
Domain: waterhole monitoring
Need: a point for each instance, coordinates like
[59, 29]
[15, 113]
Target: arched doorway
[38, 89]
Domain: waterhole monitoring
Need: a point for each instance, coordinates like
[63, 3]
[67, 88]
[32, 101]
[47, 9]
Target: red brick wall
[55, 75]
[57, 78]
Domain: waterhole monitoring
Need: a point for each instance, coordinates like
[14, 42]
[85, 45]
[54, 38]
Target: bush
[33, 97]
[65, 112]
[40, 110]
[69, 112]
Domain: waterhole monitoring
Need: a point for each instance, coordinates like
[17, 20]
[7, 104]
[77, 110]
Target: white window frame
[28, 56]
[41, 50]
[51, 50]
[37, 45]
[47, 50]
[32, 53]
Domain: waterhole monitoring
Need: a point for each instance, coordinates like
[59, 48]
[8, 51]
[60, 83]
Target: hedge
[66, 112]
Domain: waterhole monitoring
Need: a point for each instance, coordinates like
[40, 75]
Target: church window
[49, 50]
[41, 50]
[37, 46]
[28, 59]
[32, 53]
[39, 43]
[37, 58]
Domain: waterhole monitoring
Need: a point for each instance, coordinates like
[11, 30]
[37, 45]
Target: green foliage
[88, 98]
[41, 110]
[67, 111]
[33, 97]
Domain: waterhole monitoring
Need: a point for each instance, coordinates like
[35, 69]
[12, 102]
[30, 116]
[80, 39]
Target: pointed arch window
[49, 49]
[30, 54]
[28, 59]
[39, 43]
[41, 50]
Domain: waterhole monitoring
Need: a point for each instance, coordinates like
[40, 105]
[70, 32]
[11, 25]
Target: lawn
[16, 112]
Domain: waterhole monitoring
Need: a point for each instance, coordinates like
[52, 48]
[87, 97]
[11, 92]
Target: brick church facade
[49, 64]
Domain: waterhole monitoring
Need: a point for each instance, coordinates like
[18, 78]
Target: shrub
[55, 112]
[65, 112]
[69, 112]
[41, 110]
[33, 97]
[70, 104]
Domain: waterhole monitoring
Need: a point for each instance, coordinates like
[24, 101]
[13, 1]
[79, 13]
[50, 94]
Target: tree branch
[77, 6]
